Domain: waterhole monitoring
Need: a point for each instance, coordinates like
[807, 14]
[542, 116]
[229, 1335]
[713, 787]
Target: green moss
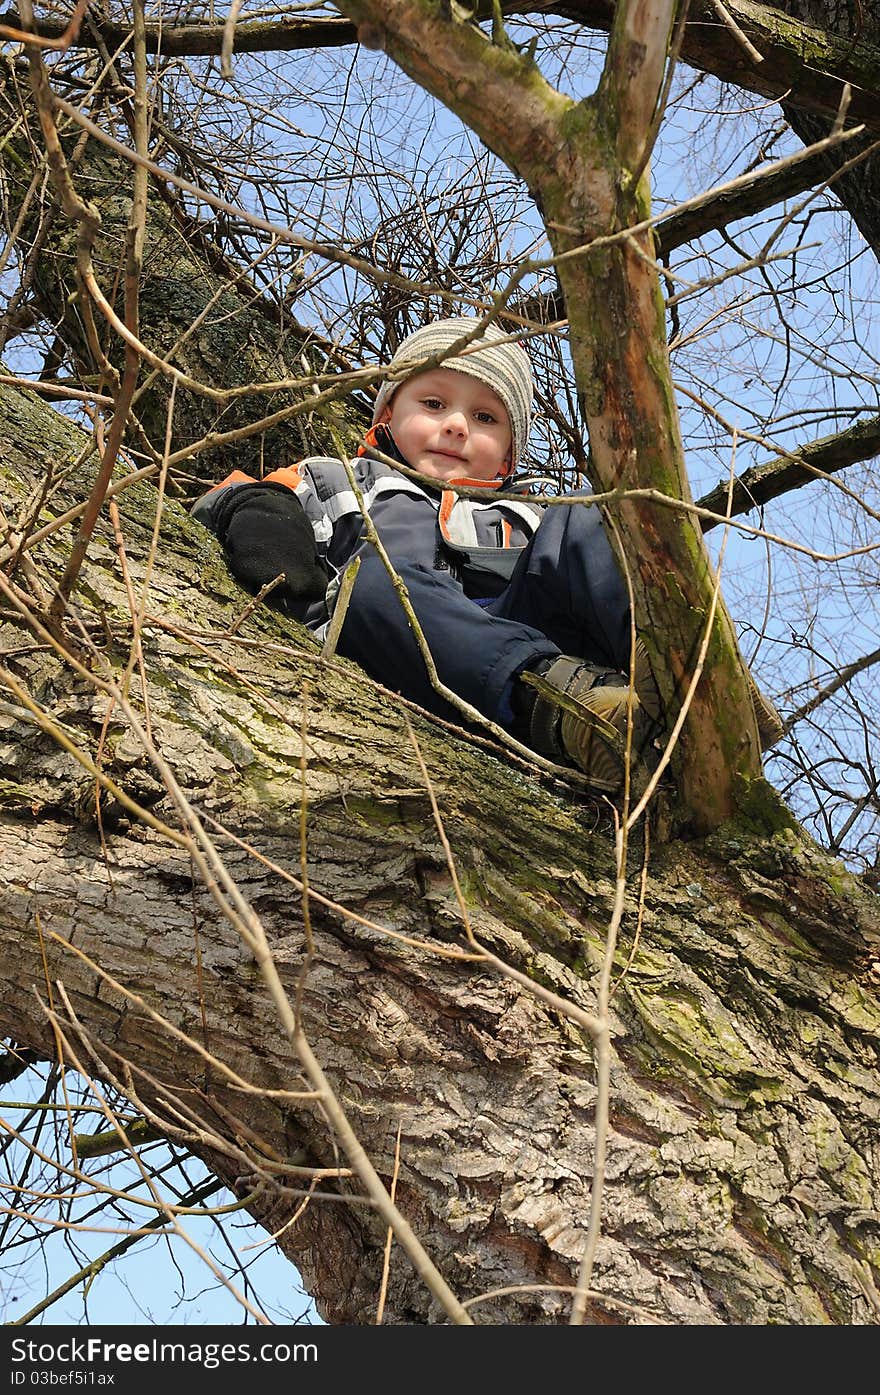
[693, 1036]
[859, 1008]
[761, 809]
[18, 799]
[578, 122]
[394, 811]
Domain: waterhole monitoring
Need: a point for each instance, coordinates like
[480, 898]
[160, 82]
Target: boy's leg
[476, 653]
[481, 656]
[568, 585]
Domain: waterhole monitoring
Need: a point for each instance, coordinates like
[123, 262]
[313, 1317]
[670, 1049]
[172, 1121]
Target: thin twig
[90, 1271]
[742, 39]
[389, 1238]
[340, 608]
[253, 604]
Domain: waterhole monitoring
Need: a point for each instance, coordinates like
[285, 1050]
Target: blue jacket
[478, 540]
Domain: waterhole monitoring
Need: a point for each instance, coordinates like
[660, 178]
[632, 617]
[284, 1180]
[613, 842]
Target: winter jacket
[477, 540]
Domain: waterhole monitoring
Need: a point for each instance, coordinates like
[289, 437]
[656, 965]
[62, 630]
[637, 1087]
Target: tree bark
[204, 317]
[741, 1180]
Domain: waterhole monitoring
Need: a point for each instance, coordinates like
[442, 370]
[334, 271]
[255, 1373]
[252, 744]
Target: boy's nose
[456, 423]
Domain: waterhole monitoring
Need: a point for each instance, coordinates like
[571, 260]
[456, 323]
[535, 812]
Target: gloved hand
[265, 531]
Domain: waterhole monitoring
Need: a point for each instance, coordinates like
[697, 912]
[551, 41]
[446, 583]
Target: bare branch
[817, 460]
[192, 40]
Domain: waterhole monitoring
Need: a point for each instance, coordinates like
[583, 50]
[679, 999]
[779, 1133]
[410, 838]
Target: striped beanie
[504, 367]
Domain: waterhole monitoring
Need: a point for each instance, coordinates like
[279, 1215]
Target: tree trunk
[203, 316]
[741, 1183]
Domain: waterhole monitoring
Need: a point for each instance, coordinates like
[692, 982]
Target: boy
[501, 585]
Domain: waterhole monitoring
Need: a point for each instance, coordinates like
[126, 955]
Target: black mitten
[265, 532]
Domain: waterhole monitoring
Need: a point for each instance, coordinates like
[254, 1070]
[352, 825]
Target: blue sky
[162, 1279]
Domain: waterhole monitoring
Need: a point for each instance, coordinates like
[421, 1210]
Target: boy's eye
[432, 402]
[486, 418]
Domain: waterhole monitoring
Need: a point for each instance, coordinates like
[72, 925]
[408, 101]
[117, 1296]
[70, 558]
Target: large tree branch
[762, 189]
[719, 1016]
[859, 189]
[200, 39]
[632, 77]
[801, 62]
[825, 456]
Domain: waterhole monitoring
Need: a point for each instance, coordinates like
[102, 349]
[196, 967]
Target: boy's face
[450, 426]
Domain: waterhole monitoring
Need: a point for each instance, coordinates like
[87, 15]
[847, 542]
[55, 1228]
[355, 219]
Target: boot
[580, 711]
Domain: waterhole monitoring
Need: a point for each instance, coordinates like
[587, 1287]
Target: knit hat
[504, 367]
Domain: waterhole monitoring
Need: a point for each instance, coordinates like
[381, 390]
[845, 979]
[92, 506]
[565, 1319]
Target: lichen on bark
[742, 1175]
